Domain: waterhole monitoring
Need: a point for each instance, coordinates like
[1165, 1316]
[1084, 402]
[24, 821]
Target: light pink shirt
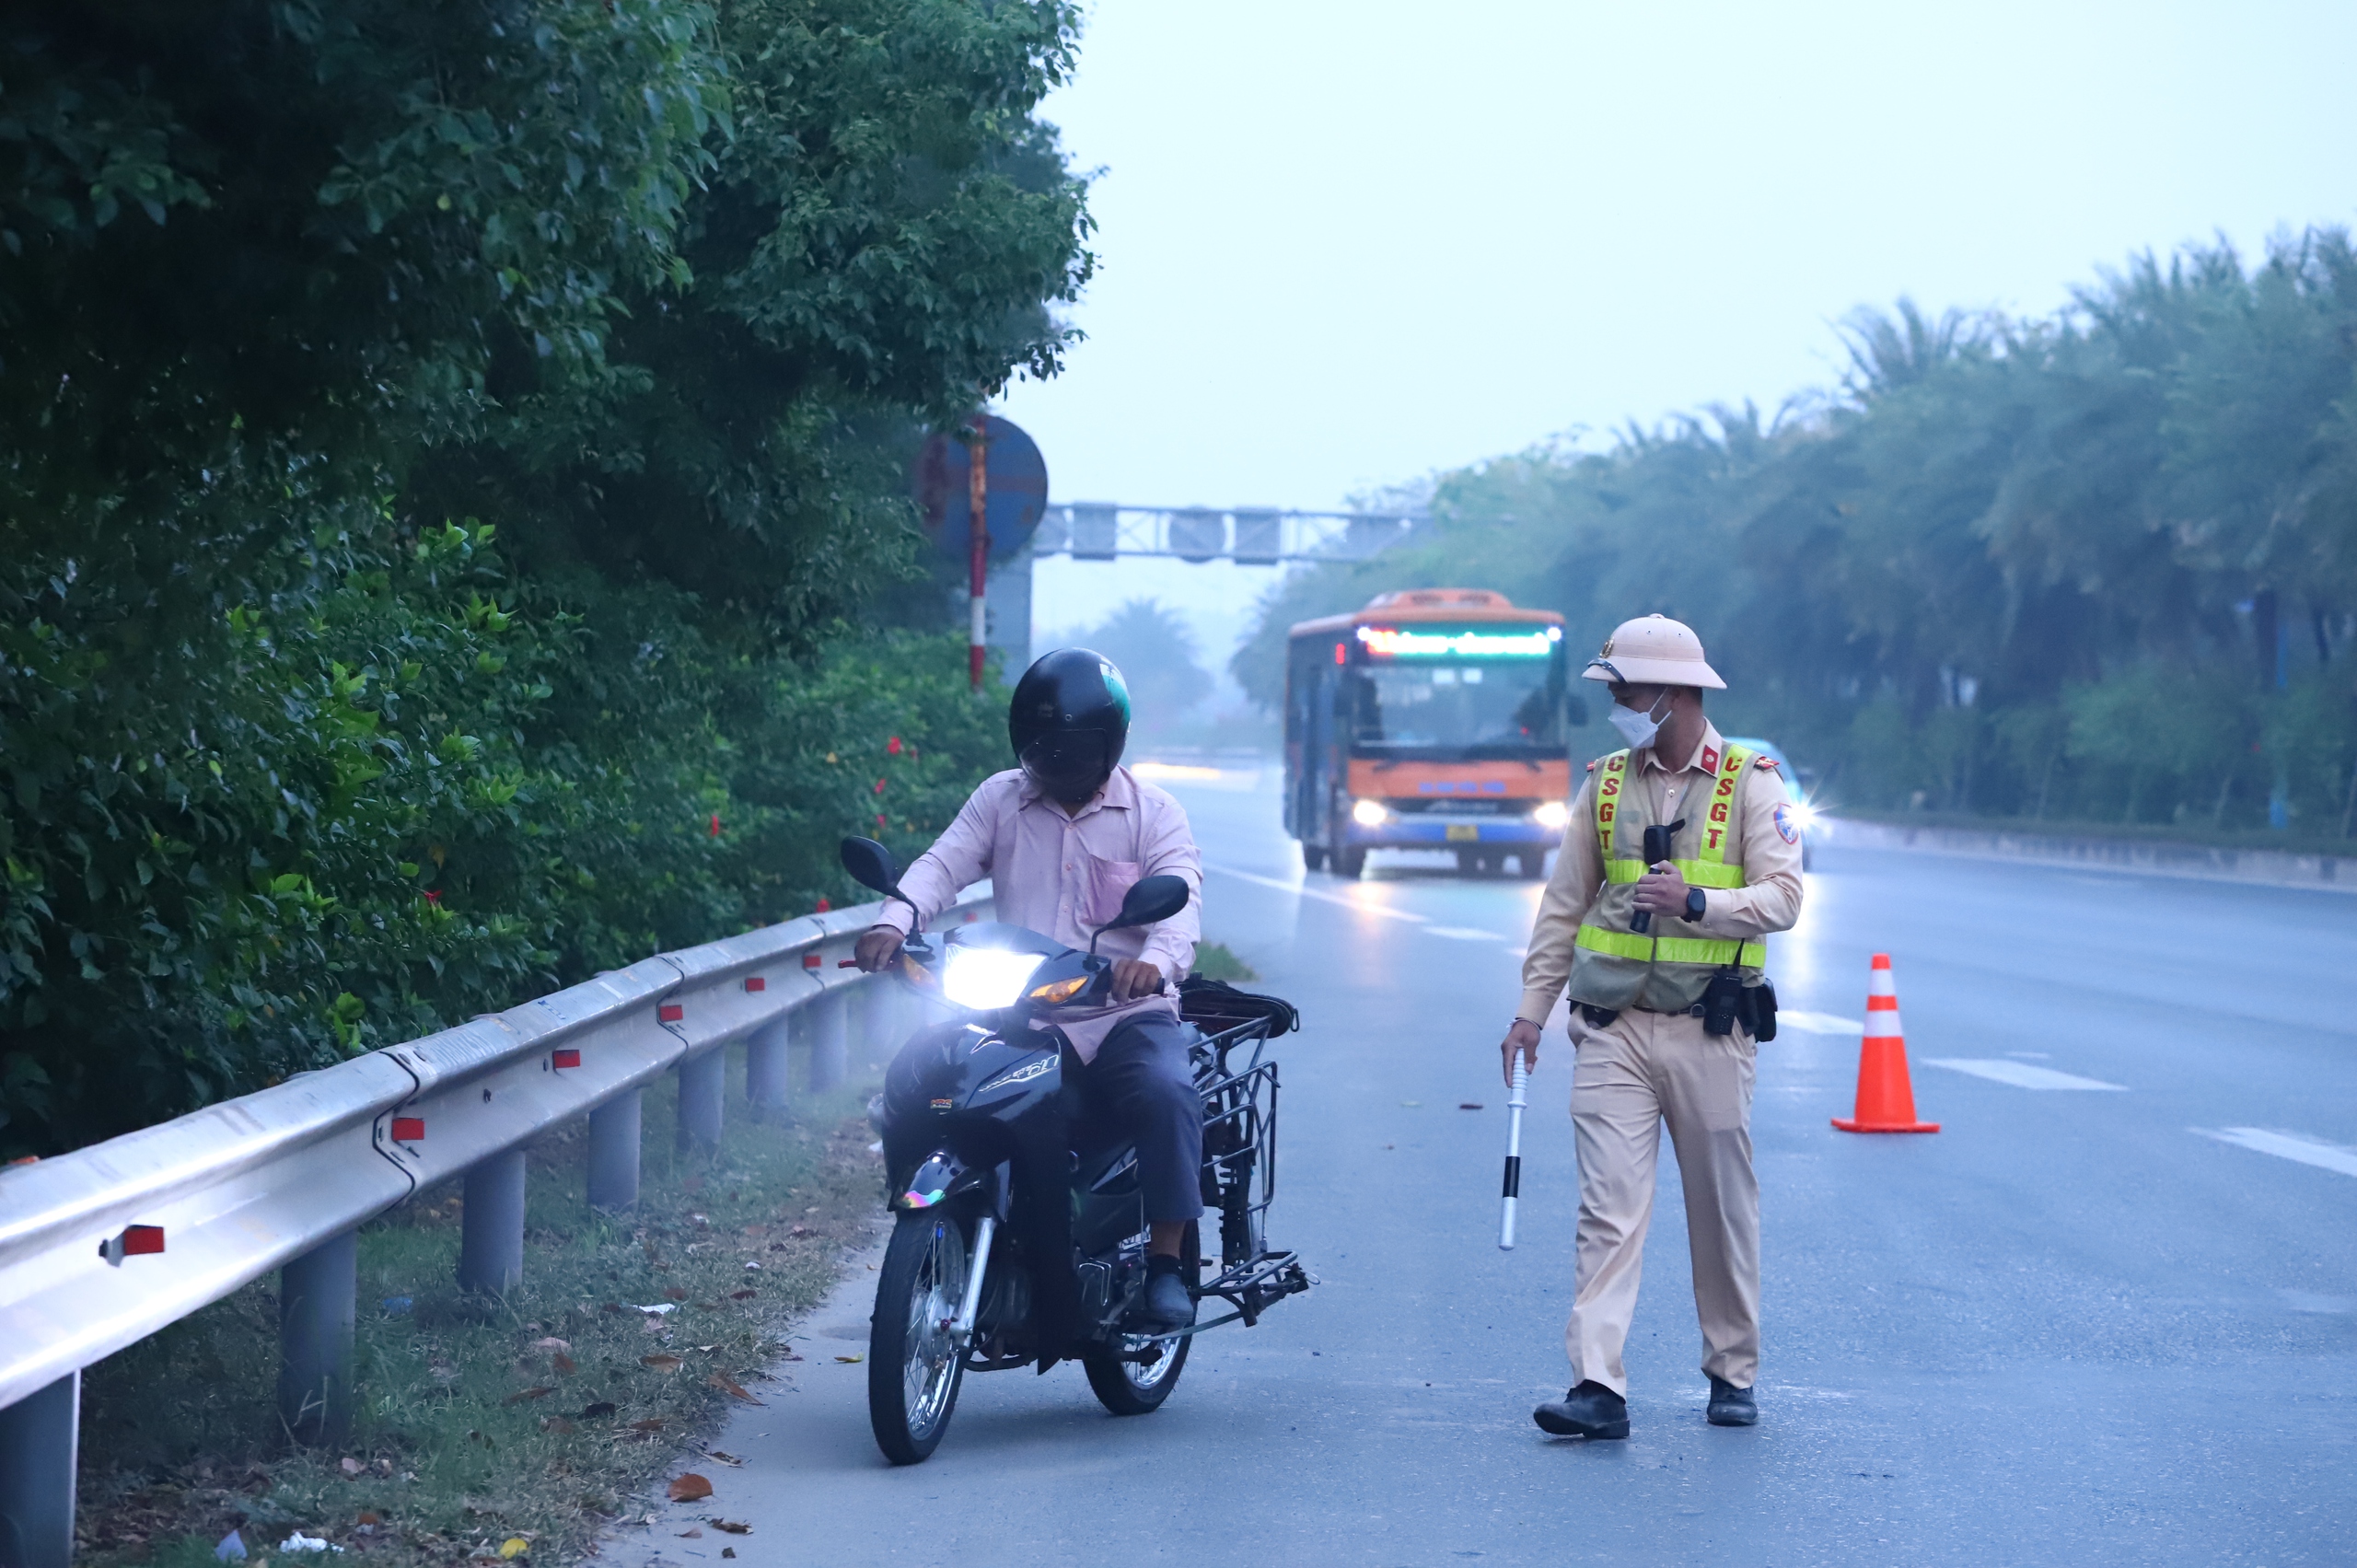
[1062, 876]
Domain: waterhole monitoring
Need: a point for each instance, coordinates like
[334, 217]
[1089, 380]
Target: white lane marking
[1463, 932]
[2286, 1145]
[2032, 1055]
[1819, 1023]
[2021, 1074]
[1285, 886]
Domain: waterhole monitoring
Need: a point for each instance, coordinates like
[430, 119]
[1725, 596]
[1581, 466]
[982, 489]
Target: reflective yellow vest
[1667, 968]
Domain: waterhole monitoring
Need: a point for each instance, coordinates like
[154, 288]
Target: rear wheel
[1313, 857]
[1138, 1388]
[913, 1366]
[1350, 862]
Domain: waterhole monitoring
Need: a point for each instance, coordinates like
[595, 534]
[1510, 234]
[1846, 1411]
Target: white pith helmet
[1652, 650]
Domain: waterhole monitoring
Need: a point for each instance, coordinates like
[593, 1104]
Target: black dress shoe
[1730, 1406]
[1591, 1409]
[1166, 1306]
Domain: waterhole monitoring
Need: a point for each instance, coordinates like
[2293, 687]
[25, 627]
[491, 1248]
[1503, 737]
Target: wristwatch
[1695, 903]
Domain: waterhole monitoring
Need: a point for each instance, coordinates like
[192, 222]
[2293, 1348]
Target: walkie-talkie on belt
[1657, 849]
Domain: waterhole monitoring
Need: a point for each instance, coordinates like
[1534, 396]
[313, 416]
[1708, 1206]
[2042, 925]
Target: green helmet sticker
[1118, 686]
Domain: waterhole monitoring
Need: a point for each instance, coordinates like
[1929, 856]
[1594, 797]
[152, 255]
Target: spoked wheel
[913, 1366]
[1138, 1388]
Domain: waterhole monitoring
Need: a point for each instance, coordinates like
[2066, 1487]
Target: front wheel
[913, 1366]
[1348, 861]
[1138, 1388]
[1313, 857]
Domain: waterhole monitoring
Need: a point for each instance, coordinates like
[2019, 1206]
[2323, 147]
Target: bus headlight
[1370, 813]
[1553, 814]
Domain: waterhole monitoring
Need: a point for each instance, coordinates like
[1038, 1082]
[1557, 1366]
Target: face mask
[1638, 729]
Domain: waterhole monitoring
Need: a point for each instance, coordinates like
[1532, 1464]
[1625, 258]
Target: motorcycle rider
[1062, 836]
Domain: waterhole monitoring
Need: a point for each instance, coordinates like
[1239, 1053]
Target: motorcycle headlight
[1370, 813]
[1553, 814]
[987, 976]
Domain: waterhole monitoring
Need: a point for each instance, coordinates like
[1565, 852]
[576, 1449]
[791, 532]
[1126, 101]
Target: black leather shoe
[1730, 1406]
[1590, 1410]
[1166, 1306]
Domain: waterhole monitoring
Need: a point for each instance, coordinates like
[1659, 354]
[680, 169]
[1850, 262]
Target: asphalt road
[2081, 1324]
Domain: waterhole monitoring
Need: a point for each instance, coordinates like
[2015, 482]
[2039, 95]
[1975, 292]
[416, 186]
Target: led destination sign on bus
[1399, 641]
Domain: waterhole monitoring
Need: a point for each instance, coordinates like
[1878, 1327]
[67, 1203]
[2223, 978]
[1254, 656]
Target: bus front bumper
[1434, 831]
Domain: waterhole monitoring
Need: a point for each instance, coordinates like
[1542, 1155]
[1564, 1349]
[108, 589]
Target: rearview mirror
[1157, 897]
[870, 864]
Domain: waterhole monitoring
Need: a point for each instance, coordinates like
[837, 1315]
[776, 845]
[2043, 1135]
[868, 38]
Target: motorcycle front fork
[962, 1330]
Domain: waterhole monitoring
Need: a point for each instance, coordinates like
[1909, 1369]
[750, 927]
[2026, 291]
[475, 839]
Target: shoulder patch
[1763, 761]
[1591, 767]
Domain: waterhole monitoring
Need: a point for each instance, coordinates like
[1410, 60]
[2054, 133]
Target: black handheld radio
[1657, 849]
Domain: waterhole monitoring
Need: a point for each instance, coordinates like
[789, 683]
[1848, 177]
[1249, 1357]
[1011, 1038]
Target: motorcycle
[1020, 1232]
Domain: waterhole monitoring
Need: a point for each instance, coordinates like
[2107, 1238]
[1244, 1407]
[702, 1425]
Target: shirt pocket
[1110, 882]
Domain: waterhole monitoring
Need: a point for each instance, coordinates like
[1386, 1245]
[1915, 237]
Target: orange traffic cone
[1886, 1099]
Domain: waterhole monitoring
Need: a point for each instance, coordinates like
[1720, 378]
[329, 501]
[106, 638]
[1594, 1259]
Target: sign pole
[979, 553]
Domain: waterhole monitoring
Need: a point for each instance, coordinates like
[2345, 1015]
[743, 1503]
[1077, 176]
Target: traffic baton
[1514, 1102]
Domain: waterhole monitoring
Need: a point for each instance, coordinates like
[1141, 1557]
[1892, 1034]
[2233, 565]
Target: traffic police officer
[1663, 1019]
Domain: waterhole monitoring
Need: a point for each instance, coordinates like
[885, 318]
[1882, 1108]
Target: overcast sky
[1344, 246]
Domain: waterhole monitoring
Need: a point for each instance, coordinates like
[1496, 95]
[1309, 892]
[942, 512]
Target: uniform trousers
[1141, 1085]
[1635, 1073]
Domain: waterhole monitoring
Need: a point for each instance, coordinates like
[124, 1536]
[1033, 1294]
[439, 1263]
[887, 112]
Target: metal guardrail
[102, 1246]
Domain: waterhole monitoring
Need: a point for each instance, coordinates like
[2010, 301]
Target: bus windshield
[1459, 710]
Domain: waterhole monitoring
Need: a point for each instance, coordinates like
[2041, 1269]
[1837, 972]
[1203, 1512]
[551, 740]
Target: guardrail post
[704, 1091]
[316, 1308]
[827, 1046]
[765, 1085]
[39, 1435]
[613, 1154]
[491, 1240]
[880, 1023]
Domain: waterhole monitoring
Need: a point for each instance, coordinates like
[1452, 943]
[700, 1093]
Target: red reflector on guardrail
[670, 1013]
[409, 1129]
[137, 1240]
[755, 983]
[564, 1057]
[811, 960]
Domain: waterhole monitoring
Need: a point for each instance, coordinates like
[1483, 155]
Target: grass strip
[538, 1418]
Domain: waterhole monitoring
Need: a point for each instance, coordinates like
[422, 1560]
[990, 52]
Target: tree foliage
[451, 515]
[2102, 566]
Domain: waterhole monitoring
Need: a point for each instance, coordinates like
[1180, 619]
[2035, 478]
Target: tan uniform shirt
[1769, 900]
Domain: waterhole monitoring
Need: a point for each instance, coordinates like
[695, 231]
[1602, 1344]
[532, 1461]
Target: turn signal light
[1060, 990]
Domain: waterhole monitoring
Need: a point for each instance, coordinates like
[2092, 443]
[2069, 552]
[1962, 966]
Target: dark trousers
[1141, 1085]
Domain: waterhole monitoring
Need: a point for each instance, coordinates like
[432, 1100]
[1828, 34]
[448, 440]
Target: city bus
[1434, 718]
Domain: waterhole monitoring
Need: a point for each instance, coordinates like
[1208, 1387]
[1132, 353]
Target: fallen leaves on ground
[652, 1424]
[565, 1364]
[597, 1411]
[552, 1343]
[724, 1457]
[691, 1533]
[728, 1385]
[520, 1394]
[514, 1546]
[673, 1293]
[556, 1423]
[855, 1358]
[350, 1466]
[662, 1363]
[746, 1295]
[734, 1526]
[691, 1488]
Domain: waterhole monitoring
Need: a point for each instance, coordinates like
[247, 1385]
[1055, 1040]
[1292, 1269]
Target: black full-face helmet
[1069, 721]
